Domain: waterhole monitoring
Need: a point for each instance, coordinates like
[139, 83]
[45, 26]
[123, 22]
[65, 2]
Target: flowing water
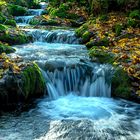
[78, 103]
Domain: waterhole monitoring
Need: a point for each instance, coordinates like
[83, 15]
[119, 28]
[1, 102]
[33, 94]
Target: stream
[78, 103]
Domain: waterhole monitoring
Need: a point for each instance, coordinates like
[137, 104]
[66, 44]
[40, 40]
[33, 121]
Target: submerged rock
[56, 64]
[22, 87]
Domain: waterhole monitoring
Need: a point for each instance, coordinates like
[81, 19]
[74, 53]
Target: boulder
[19, 88]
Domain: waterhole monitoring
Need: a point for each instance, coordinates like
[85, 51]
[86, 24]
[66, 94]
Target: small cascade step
[53, 36]
[24, 19]
[36, 12]
[31, 13]
[82, 80]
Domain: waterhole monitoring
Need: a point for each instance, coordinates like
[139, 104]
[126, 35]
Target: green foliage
[135, 14]
[23, 3]
[131, 22]
[62, 11]
[16, 10]
[58, 12]
[120, 84]
[80, 31]
[3, 27]
[10, 22]
[5, 48]
[103, 18]
[118, 29]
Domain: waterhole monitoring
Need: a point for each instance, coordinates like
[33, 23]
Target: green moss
[15, 37]
[10, 22]
[101, 56]
[33, 82]
[60, 11]
[86, 36]
[81, 30]
[5, 48]
[34, 21]
[121, 84]
[52, 22]
[101, 42]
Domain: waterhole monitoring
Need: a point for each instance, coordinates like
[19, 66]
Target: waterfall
[31, 13]
[24, 19]
[54, 36]
[81, 80]
[35, 12]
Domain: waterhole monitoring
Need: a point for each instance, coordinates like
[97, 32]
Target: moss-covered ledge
[33, 84]
[21, 88]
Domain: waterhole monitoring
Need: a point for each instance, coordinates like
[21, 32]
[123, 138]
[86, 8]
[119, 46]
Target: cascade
[31, 13]
[82, 80]
[54, 36]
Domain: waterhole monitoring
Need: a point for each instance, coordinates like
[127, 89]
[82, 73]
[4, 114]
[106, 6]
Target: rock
[56, 64]
[22, 87]
[14, 37]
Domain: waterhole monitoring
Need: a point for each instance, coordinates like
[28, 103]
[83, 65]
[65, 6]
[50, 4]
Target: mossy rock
[10, 22]
[33, 81]
[34, 21]
[16, 10]
[14, 37]
[51, 22]
[96, 42]
[61, 11]
[21, 88]
[81, 30]
[86, 36]
[121, 84]
[6, 48]
[100, 56]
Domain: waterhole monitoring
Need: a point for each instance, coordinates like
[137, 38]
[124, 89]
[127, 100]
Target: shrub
[131, 22]
[10, 22]
[135, 14]
[16, 10]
